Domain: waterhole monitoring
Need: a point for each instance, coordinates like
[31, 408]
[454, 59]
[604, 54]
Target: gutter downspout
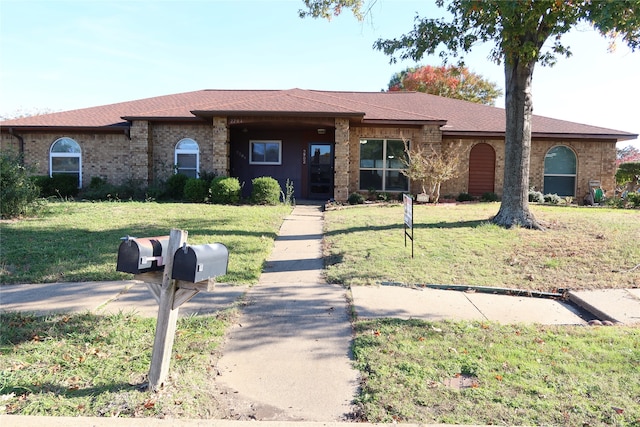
[21, 139]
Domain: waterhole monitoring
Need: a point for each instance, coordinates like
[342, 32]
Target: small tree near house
[431, 167]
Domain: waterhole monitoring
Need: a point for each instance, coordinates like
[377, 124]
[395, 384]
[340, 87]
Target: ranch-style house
[329, 144]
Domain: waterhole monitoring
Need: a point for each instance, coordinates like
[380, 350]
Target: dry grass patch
[582, 248]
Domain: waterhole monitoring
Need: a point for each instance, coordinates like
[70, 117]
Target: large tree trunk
[514, 209]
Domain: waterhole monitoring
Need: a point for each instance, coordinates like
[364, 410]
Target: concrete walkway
[288, 358]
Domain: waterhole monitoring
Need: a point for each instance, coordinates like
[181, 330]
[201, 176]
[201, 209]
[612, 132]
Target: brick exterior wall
[148, 154]
[428, 134]
[104, 155]
[595, 161]
[220, 147]
[163, 140]
[342, 165]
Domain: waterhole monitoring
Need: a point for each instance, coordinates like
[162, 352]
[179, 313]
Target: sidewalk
[287, 360]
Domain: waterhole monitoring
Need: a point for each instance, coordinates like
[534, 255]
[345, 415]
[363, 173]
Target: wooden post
[167, 316]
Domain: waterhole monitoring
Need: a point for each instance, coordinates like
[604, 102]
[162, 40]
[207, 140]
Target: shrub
[196, 190]
[536, 196]
[266, 191]
[489, 197]
[175, 186]
[616, 202]
[18, 193]
[99, 189]
[553, 199]
[633, 200]
[225, 190]
[355, 199]
[464, 197]
[59, 185]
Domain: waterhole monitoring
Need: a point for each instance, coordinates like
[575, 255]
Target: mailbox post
[167, 316]
[174, 272]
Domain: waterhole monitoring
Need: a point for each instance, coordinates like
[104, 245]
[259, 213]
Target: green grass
[73, 242]
[89, 365]
[455, 244]
[515, 375]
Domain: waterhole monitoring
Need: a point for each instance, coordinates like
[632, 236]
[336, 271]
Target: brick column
[220, 146]
[140, 152]
[431, 134]
[341, 165]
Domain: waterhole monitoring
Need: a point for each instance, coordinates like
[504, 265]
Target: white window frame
[178, 151]
[384, 169]
[265, 142]
[54, 154]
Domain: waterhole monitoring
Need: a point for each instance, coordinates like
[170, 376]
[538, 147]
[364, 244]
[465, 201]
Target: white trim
[265, 141]
[177, 151]
[78, 156]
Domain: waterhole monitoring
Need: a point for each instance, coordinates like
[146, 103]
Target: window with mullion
[381, 165]
[265, 152]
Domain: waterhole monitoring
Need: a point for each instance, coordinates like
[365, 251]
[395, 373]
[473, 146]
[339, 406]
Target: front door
[320, 171]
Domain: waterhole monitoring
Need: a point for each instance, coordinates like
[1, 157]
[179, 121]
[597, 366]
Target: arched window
[560, 167]
[65, 157]
[187, 158]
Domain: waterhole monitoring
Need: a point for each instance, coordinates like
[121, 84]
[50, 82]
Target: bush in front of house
[225, 190]
[59, 185]
[633, 200]
[536, 196]
[196, 190]
[465, 197]
[99, 189]
[489, 197]
[355, 199]
[18, 192]
[553, 199]
[175, 186]
[266, 191]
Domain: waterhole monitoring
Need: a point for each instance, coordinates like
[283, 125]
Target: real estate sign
[408, 219]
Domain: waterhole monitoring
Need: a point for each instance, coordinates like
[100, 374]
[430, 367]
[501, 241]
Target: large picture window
[187, 158]
[381, 165]
[265, 152]
[65, 157]
[560, 167]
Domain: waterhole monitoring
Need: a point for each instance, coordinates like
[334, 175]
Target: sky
[58, 55]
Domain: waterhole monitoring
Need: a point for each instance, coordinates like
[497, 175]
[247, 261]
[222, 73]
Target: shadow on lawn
[387, 227]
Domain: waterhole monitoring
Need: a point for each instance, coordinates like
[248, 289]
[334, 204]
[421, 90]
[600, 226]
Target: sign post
[408, 219]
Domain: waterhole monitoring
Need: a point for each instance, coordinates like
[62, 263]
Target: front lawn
[582, 248]
[74, 242]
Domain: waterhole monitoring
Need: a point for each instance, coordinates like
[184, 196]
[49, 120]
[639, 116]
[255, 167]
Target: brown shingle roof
[458, 117]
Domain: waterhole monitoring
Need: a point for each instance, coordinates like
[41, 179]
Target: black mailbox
[142, 255]
[201, 262]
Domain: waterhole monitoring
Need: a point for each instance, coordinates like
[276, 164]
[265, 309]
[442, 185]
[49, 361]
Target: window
[65, 157]
[560, 171]
[187, 158]
[265, 152]
[381, 165]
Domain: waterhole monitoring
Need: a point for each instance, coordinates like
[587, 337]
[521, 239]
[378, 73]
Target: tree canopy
[523, 33]
[452, 81]
[628, 154]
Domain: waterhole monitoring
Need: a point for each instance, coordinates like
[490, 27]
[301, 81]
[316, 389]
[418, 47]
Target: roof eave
[403, 122]
[163, 118]
[116, 128]
[542, 135]
[234, 113]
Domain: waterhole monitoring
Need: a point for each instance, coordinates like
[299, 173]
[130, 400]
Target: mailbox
[200, 262]
[142, 255]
